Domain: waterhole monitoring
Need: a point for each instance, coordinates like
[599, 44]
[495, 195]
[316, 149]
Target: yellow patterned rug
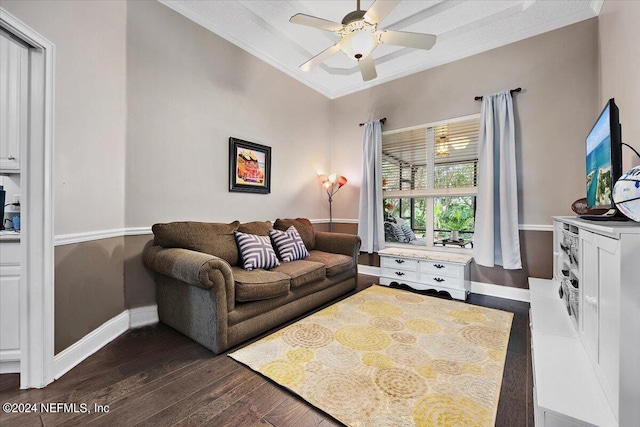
[387, 357]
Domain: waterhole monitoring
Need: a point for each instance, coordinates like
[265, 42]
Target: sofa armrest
[339, 243]
[194, 268]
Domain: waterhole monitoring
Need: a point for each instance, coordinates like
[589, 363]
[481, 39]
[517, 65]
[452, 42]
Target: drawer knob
[399, 261]
[438, 265]
[439, 279]
[11, 158]
[399, 273]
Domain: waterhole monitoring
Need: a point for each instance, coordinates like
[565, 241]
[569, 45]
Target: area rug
[388, 357]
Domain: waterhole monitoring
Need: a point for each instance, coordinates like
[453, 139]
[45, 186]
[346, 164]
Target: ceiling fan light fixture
[358, 39]
[459, 143]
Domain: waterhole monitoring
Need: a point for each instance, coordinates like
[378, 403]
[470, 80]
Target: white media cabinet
[426, 270]
[586, 349]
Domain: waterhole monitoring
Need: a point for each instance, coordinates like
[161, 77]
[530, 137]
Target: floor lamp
[332, 183]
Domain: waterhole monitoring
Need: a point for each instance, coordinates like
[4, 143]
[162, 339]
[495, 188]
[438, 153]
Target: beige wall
[619, 43]
[90, 108]
[558, 73]
[188, 92]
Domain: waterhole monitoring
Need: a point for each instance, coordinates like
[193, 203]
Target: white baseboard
[103, 335]
[89, 344]
[368, 270]
[9, 361]
[507, 292]
[489, 289]
[143, 316]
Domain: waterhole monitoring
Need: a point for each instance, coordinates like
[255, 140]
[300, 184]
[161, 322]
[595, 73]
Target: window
[430, 179]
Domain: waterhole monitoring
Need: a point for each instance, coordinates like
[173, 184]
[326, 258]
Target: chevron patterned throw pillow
[256, 251]
[289, 244]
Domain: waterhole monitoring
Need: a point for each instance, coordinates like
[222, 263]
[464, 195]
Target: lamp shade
[358, 44]
[332, 180]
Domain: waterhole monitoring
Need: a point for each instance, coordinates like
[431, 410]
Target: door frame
[37, 238]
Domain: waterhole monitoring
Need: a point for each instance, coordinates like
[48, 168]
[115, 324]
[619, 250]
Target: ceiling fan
[360, 36]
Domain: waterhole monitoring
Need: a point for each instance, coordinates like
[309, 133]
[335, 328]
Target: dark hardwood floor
[154, 376]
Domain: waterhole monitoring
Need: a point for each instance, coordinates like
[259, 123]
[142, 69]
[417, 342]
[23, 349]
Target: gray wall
[90, 108]
[188, 91]
[140, 289]
[89, 155]
[142, 91]
[619, 60]
[89, 288]
[558, 72]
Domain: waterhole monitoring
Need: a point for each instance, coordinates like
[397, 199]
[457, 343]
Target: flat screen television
[603, 158]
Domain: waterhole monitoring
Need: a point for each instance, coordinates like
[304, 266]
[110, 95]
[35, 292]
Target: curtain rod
[518, 89]
[382, 120]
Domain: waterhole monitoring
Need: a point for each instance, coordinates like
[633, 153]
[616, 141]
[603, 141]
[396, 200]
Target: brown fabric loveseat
[203, 291]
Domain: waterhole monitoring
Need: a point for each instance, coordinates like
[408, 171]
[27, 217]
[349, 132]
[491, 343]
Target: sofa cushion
[260, 228]
[288, 244]
[304, 227]
[334, 263]
[208, 237]
[302, 272]
[256, 251]
[259, 284]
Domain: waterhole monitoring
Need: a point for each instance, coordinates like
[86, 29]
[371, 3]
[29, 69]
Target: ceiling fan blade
[402, 38]
[367, 68]
[312, 21]
[379, 10]
[316, 60]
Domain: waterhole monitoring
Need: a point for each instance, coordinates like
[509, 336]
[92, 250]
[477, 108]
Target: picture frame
[249, 167]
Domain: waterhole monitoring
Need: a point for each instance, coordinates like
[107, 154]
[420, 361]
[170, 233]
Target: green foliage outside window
[454, 213]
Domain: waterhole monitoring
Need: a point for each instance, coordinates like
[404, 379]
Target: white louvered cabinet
[586, 369]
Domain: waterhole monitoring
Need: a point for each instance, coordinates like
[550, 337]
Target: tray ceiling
[464, 28]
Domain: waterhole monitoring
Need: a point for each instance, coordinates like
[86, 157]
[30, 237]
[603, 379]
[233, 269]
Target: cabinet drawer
[9, 253]
[442, 268]
[398, 263]
[442, 281]
[398, 274]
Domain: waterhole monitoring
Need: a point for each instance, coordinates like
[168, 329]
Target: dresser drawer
[398, 263]
[410, 276]
[442, 281]
[439, 268]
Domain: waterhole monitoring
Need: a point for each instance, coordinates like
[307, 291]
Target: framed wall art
[249, 167]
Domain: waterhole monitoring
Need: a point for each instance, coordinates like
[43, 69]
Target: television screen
[602, 158]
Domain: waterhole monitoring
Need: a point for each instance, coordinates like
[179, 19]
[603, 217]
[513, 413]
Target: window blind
[423, 160]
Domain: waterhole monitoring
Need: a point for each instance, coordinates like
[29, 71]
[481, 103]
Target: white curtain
[370, 222]
[496, 240]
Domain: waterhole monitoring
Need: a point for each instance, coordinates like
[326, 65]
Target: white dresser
[586, 349]
[426, 270]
